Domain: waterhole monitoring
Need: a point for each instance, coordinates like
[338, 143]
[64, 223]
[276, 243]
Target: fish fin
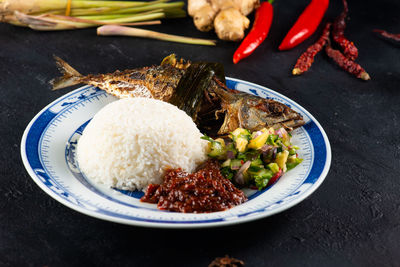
[169, 60]
[70, 75]
[174, 62]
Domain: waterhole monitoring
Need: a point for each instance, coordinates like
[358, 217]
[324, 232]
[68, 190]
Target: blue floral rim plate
[48, 152]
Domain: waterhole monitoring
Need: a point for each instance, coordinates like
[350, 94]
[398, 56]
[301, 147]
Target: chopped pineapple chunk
[270, 130]
[241, 138]
[222, 142]
[241, 144]
[239, 131]
[281, 159]
[259, 141]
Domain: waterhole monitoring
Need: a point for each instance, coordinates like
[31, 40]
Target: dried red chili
[339, 25]
[345, 63]
[305, 25]
[258, 33]
[306, 59]
[393, 36]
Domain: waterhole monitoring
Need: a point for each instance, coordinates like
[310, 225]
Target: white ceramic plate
[48, 152]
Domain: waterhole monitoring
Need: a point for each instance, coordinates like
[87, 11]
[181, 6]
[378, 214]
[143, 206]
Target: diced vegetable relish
[254, 159]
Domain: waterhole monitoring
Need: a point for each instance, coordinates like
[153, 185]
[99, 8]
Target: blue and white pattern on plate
[48, 152]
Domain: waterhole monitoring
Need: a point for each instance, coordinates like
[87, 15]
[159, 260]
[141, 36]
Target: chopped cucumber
[262, 177]
[226, 163]
[292, 151]
[290, 164]
[271, 139]
[256, 163]
[241, 156]
[236, 164]
[217, 147]
[273, 167]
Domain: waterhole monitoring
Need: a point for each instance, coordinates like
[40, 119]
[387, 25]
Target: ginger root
[204, 17]
[230, 24]
[228, 17]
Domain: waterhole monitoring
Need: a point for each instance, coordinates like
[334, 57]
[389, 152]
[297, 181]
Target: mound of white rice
[129, 143]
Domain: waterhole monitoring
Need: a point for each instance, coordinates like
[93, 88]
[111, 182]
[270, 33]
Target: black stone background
[353, 219]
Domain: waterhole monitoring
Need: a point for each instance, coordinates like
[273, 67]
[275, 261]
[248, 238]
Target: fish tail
[70, 75]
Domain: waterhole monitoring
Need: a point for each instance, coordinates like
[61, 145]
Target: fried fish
[198, 88]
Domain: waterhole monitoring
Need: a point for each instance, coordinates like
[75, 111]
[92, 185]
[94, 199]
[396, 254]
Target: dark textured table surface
[353, 219]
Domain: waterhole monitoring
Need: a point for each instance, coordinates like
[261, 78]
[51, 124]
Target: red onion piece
[282, 133]
[239, 178]
[230, 154]
[265, 148]
[279, 133]
[228, 142]
[274, 152]
[270, 154]
[258, 133]
[235, 168]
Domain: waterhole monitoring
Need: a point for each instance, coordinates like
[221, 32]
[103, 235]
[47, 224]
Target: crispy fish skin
[160, 82]
[157, 82]
[254, 113]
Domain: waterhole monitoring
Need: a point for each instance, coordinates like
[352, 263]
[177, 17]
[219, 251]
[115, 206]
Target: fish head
[254, 113]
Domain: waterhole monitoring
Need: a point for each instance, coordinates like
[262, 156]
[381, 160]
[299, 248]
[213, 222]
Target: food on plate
[227, 17]
[255, 113]
[306, 59]
[254, 159]
[305, 25]
[131, 142]
[206, 190]
[350, 51]
[197, 88]
[244, 159]
[258, 33]
[140, 141]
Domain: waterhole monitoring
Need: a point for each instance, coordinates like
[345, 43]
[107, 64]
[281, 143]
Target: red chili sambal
[206, 190]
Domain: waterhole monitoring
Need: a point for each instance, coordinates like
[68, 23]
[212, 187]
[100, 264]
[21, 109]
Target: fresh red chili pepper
[345, 63]
[393, 36]
[307, 58]
[305, 25]
[258, 33]
[349, 49]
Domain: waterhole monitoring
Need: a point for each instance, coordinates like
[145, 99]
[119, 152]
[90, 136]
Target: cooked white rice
[129, 143]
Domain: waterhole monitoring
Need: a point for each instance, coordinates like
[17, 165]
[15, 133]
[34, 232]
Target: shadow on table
[197, 247]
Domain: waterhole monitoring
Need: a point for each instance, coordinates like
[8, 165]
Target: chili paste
[206, 190]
